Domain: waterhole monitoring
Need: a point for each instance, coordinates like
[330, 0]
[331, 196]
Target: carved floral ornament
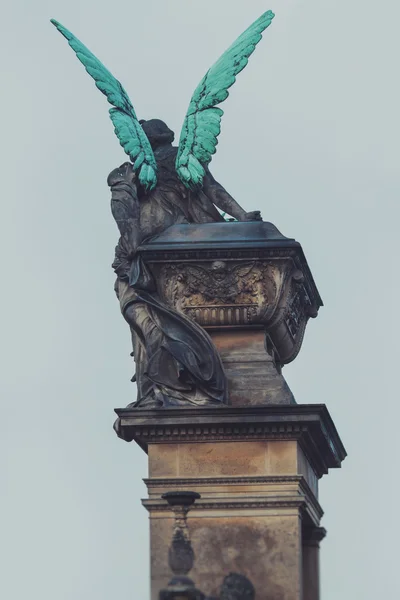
[236, 293]
[219, 292]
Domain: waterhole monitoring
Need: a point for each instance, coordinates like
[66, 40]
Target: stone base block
[252, 374]
[257, 470]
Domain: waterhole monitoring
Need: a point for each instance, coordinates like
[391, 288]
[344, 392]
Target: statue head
[219, 270]
[157, 132]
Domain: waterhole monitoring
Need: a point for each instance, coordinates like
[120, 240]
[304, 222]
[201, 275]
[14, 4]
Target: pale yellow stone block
[227, 459]
[163, 460]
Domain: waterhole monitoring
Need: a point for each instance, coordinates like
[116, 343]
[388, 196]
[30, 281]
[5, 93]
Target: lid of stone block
[257, 234]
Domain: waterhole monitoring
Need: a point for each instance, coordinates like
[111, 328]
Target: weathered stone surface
[265, 548]
[253, 378]
[257, 470]
[233, 459]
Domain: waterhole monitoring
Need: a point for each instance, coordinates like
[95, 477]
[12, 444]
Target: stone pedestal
[257, 470]
[256, 460]
[253, 378]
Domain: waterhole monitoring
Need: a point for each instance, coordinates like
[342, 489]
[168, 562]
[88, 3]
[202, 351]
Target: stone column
[312, 536]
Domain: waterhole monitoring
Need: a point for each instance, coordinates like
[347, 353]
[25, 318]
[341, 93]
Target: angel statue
[176, 361]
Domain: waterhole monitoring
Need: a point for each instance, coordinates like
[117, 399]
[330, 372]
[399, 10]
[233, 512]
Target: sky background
[311, 137]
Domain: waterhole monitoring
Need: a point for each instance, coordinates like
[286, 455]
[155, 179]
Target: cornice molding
[309, 424]
[188, 482]
[305, 496]
[298, 502]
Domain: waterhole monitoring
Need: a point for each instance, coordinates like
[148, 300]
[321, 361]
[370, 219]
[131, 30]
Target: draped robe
[176, 361]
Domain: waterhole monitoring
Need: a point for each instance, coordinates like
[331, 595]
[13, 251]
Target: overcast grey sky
[310, 137]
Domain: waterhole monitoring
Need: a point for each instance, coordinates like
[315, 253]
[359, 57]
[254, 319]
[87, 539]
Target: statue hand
[254, 215]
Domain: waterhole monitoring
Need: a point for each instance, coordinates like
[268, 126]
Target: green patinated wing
[202, 123]
[127, 127]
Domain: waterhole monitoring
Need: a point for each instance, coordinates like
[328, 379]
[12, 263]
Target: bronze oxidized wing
[126, 125]
[202, 123]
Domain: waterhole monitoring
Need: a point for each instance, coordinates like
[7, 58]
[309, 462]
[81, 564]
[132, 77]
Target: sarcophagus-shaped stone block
[237, 275]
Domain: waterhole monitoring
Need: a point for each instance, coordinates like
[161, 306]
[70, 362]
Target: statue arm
[125, 207]
[221, 198]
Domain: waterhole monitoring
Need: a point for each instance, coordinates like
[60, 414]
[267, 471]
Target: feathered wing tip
[126, 125]
[202, 123]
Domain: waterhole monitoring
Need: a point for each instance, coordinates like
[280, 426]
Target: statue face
[219, 270]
